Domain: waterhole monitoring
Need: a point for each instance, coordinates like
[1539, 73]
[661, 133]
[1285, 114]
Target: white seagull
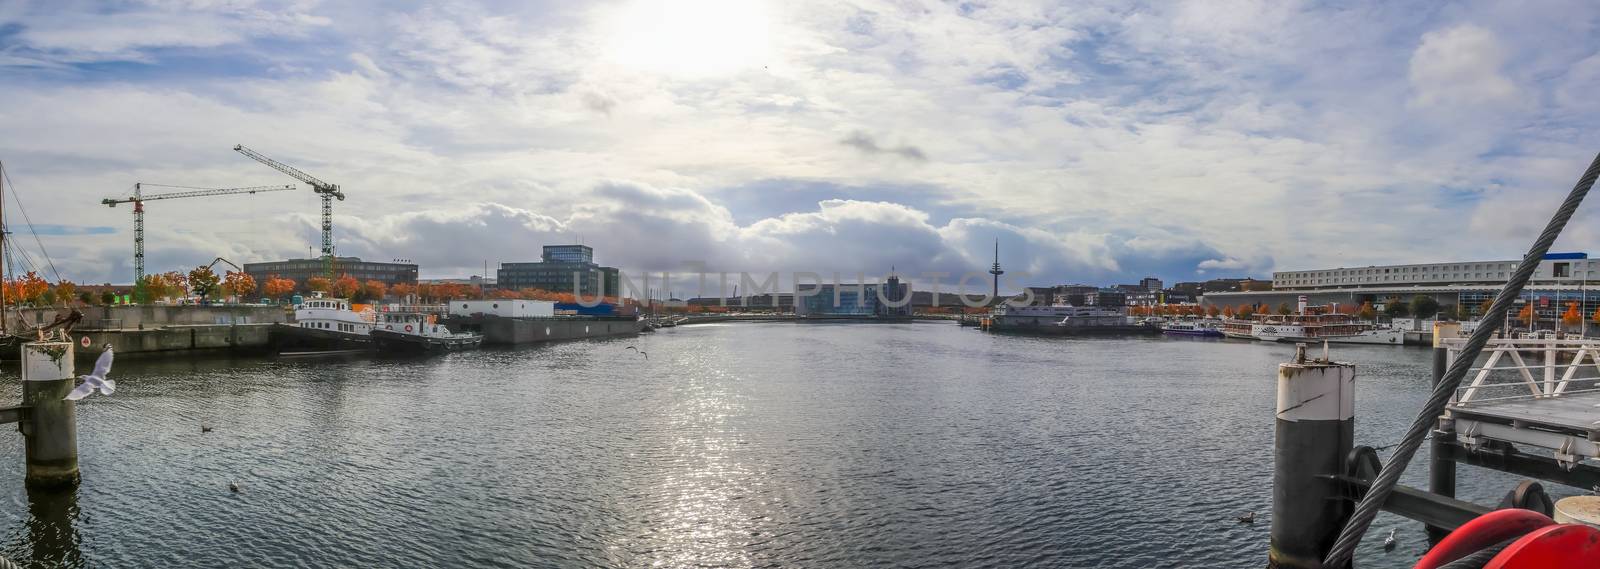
[96, 380]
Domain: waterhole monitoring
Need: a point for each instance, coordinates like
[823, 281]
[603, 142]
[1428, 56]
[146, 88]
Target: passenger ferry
[1206, 328]
[1315, 327]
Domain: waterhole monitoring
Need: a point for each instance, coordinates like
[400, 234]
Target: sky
[1098, 142]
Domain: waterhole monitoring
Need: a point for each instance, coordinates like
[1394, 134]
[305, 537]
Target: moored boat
[1204, 328]
[417, 333]
[324, 325]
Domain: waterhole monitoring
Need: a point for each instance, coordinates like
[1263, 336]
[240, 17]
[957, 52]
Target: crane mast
[138, 198]
[326, 190]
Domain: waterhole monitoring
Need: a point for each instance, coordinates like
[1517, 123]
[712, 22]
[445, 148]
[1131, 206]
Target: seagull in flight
[97, 379]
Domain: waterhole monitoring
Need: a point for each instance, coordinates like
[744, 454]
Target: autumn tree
[1526, 314]
[238, 284]
[1227, 312]
[1483, 309]
[1571, 318]
[203, 281]
[1596, 317]
[277, 287]
[1245, 312]
[403, 290]
[1366, 312]
[1212, 311]
[66, 290]
[373, 289]
[31, 288]
[346, 286]
[319, 284]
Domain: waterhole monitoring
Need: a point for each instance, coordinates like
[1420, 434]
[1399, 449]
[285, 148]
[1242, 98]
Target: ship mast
[3, 272]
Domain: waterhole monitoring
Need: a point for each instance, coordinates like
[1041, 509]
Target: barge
[516, 322]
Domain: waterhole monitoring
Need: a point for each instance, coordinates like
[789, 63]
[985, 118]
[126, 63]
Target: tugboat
[324, 325]
[417, 333]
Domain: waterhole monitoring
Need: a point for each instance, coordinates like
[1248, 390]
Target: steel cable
[1367, 508]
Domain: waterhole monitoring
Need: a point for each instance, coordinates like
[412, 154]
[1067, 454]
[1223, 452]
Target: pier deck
[1530, 393]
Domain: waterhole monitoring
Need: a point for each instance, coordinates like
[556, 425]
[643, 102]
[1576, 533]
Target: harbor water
[736, 445]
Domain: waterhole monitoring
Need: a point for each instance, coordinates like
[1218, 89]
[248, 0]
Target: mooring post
[1441, 470]
[50, 431]
[1315, 432]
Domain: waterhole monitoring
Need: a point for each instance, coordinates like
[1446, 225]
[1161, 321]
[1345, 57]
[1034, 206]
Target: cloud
[1460, 66]
[866, 144]
[1097, 141]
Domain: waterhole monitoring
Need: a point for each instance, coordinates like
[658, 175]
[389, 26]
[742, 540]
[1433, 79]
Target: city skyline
[1096, 142]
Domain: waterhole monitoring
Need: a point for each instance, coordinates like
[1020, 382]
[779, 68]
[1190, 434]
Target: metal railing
[1544, 368]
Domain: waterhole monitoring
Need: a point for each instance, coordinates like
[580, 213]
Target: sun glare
[691, 37]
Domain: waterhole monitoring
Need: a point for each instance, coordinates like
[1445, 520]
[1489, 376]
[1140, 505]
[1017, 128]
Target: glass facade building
[855, 301]
[302, 269]
[559, 268]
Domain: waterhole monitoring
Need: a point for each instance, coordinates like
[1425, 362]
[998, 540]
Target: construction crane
[138, 198]
[324, 189]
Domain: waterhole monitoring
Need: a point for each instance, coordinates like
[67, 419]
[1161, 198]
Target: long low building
[1560, 279]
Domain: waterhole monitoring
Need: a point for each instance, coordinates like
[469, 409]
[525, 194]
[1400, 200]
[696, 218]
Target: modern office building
[559, 267]
[302, 269]
[855, 301]
[1150, 284]
[1560, 279]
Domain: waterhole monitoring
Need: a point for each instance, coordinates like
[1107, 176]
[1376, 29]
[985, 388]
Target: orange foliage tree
[238, 284]
[1572, 318]
[277, 287]
[1526, 315]
[30, 289]
[319, 284]
[403, 290]
[374, 289]
[346, 287]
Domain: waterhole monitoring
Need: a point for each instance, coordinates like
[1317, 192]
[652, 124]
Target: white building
[1555, 269]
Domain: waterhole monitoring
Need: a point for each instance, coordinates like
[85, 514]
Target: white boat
[1319, 327]
[325, 324]
[418, 333]
[1208, 328]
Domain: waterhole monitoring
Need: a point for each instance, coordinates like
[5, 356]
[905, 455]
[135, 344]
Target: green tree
[1424, 306]
[203, 281]
[1285, 309]
[107, 297]
[1393, 308]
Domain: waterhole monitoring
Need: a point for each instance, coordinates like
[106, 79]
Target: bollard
[1315, 432]
[51, 429]
[1441, 471]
